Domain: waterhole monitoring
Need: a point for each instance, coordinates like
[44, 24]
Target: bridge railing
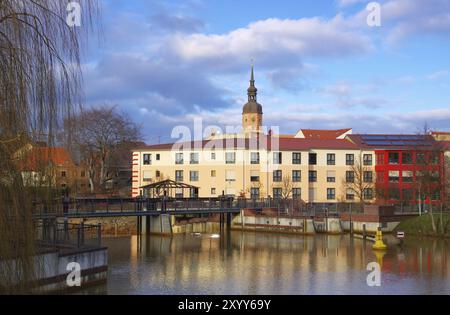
[67, 235]
[130, 206]
[105, 206]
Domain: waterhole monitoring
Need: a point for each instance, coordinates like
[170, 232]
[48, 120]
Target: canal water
[249, 263]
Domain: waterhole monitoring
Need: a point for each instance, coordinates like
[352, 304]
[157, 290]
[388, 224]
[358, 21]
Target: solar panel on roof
[392, 137]
[379, 142]
[374, 137]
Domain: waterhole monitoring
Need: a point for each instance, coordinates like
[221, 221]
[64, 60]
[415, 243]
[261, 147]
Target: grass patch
[422, 225]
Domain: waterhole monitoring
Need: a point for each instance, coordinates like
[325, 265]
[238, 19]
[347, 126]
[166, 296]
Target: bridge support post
[229, 218]
[139, 226]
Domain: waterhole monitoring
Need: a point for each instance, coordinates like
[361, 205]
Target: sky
[318, 64]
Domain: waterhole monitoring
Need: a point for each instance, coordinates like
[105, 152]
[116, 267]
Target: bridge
[84, 208]
[153, 214]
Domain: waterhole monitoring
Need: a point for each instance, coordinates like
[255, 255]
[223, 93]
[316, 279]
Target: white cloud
[273, 42]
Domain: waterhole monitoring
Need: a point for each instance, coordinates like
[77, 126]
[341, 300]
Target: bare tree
[361, 181]
[429, 178]
[286, 186]
[99, 135]
[430, 173]
[39, 85]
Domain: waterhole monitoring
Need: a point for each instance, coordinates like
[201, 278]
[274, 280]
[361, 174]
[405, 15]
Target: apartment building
[316, 166]
[312, 170]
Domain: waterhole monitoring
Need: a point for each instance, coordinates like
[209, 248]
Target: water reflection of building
[268, 264]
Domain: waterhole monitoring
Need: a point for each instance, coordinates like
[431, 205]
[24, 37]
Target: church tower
[252, 113]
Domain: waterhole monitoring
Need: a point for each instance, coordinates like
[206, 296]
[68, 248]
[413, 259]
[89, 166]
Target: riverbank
[422, 226]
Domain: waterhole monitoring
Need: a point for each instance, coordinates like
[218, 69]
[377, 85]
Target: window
[296, 176]
[407, 195]
[380, 158]
[436, 195]
[213, 173]
[297, 193]
[394, 176]
[407, 158]
[83, 174]
[434, 158]
[331, 194]
[277, 193]
[179, 176]
[213, 156]
[331, 159]
[230, 176]
[435, 176]
[63, 174]
[277, 176]
[408, 176]
[331, 176]
[179, 158]
[193, 192]
[296, 158]
[147, 159]
[312, 176]
[350, 159]
[368, 177]
[350, 177]
[254, 193]
[394, 194]
[158, 174]
[213, 192]
[313, 159]
[179, 193]
[254, 158]
[394, 158]
[277, 158]
[350, 195]
[193, 176]
[368, 194]
[147, 176]
[230, 157]
[158, 157]
[194, 158]
[254, 176]
[421, 158]
[368, 159]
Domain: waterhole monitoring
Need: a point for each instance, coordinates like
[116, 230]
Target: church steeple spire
[252, 111]
[252, 90]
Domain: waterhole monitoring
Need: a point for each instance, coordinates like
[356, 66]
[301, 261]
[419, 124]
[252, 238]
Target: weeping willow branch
[40, 84]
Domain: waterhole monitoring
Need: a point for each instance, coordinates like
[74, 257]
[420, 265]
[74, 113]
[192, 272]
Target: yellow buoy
[379, 245]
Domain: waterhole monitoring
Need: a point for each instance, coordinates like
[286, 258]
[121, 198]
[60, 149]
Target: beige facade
[311, 165]
[215, 175]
